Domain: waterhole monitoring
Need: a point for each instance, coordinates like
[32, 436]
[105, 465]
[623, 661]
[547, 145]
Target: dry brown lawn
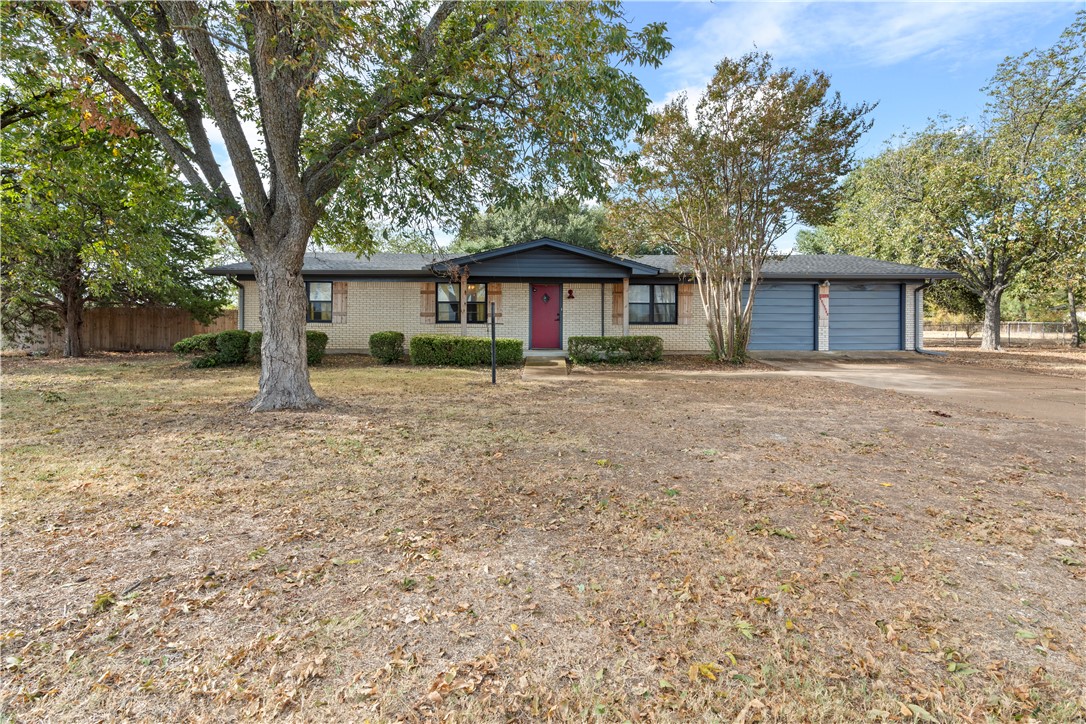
[670, 547]
[1057, 360]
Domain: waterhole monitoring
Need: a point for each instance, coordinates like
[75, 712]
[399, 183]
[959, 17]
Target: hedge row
[387, 347]
[616, 349]
[236, 346]
[446, 350]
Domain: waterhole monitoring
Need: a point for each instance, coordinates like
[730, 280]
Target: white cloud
[857, 34]
[693, 96]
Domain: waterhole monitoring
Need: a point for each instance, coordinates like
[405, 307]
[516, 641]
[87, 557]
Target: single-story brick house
[546, 291]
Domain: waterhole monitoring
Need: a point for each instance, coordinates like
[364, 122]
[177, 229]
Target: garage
[784, 317]
[865, 316]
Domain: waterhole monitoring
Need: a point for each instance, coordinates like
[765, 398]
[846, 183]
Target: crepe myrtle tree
[765, 149]
[388, 112]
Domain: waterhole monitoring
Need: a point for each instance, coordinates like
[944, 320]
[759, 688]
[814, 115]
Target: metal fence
[1023, 334]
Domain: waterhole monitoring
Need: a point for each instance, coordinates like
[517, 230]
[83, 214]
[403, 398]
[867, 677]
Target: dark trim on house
[241, 301]
[469, 259]
[652, 303]
[901, 316]
[438, 303]
[309, 301]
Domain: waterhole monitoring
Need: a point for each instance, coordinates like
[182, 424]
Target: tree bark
[989, 337]
[1072, 317]
[284, 371]
[73, 325]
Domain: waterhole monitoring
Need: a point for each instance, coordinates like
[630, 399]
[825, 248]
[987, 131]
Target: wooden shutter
[686, 303]
[494, 294]
[428, 302]
[339, 302]
[616, 304]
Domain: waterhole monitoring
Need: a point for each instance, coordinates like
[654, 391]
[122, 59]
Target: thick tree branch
[221, 103]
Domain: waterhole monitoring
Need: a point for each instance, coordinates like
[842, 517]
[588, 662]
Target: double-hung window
[448, 303]
[654, 303]
[319, 308]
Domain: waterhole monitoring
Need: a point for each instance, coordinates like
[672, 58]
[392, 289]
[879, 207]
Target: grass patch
[430, 546]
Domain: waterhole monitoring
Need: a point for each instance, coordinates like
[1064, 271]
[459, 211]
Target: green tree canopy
[997, 201]
[367, 113]
[561, 218]
[94, 217]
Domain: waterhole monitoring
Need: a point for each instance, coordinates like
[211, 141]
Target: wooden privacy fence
[139, 329]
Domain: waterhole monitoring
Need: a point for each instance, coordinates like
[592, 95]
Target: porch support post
[463, 305]
[626, 307]
[603, 292]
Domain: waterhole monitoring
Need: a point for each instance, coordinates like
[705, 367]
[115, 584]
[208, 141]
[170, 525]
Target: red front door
[546, 316]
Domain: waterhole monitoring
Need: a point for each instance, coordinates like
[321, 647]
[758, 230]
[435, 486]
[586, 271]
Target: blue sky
[917, 59]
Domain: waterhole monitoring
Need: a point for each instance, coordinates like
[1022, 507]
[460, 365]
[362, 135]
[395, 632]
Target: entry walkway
[551, 367]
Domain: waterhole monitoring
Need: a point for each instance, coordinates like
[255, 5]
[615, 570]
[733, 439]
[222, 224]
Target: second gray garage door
[784, 317]
[865, 316]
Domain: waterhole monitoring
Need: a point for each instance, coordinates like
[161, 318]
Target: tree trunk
[73, 325]
[284, 371]
[989, 337]
[1072, 311]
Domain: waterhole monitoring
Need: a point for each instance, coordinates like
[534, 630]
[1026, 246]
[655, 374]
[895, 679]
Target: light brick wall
[823, 317]
[910, 315]
[380, 306]
[691, 337]
[395, 306]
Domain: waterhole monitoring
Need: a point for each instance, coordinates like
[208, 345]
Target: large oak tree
[370, 113]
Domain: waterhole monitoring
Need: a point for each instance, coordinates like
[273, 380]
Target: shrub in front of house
[201, 347]
[387, 347]
[638, 348]
[315, 344]
[254, 346]
[232, 346]
[448, 351]
[213, 349]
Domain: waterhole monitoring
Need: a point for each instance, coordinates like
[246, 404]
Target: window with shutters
[654, 304]
[448, 303]
[319, 295]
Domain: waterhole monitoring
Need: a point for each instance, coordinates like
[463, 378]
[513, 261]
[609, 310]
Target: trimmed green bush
[315, 344]
[446, 350]
[387, 347]
[642, 348]
[201, 347]
[232, 346]
[254, 346]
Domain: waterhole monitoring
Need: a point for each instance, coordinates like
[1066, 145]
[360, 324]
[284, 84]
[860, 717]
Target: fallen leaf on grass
[103, 601]
[706, 670]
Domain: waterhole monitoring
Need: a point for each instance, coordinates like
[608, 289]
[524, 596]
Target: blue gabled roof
[546, 243]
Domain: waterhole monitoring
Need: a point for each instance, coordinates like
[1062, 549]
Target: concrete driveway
[1059, 400]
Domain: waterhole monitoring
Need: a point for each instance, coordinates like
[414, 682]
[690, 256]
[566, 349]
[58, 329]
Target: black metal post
[493, 344]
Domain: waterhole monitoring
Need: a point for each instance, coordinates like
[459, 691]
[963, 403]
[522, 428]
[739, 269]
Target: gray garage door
[865, 316]
[784, 317]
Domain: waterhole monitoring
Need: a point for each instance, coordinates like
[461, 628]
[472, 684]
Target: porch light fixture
[569, 293]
